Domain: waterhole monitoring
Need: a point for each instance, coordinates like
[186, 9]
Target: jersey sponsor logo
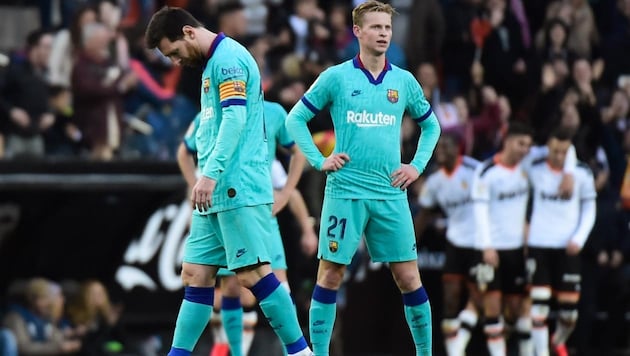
[455, 204]
[512, 195]
[207, 113]
[368, 119]
[553, 197]
[232, 71]
[206, 85]
[392, 95]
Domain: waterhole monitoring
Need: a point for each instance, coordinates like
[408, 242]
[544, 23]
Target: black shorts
[460, 261]
[553, 267]
[508, 278]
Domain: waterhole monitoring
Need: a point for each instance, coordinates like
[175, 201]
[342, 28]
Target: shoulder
[470, 163]
[485, 167]
[539, 161]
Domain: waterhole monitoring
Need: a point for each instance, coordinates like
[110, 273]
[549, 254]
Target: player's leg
[250, 319]
[469, 316]
[540, 294]
[489, 283]
[220, 345]
[390, 237]
[232, 312]
[341, 229]
[202, 253]
[247, 255]
[516, 298]
[278, 258]
[567, 286]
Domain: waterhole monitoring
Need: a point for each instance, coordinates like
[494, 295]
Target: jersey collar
[220, 37]
[356, 61]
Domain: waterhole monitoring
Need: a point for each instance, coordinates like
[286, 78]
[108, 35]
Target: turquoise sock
[232, 317]
[322, 319]
[273, 301]
[418, 315]
[192, 319]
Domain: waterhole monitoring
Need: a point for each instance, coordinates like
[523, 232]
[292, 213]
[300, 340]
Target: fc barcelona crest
[206, 85]
[239, 86]
[392, 95]
[333, 246]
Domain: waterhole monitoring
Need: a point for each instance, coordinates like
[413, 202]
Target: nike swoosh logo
[356, 92]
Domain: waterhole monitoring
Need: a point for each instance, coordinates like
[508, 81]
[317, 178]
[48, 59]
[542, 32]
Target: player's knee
[330, 275]
[196, 275]
[407, 279]
[568, 313]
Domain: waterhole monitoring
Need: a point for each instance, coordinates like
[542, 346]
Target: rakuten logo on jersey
[368, 119]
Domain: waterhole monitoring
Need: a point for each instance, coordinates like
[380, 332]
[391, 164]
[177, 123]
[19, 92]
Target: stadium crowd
[83, 86]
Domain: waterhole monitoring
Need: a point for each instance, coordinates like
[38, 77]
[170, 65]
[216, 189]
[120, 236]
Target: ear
[356, 30]
[188, 31]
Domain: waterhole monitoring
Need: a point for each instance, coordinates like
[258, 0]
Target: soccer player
[500, 192]
[233, 195]
[448, 189]
[554, 247]
[232, 300]
[366, 182]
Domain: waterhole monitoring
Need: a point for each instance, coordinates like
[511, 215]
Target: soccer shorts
[386, 224]
[460, 261]
[553, 267]
[275, 247]
[234, 238]
[510, 276]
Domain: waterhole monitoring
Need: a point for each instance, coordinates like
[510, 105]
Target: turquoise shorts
[386, 224]
[233, 238]
[275, 247]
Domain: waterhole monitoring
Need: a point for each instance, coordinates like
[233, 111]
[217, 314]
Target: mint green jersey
[275, 116]
[191, 132]
[367, 114]
[231, 140]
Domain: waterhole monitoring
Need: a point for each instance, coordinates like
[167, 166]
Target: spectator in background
[98, 87]
[66, 45]
[32, 322]
[64, 137]
[426, 33]
[91, 312]
[24, 98]
[110, 14]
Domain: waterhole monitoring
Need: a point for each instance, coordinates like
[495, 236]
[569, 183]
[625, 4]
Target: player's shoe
[561, 350]
[220, 350]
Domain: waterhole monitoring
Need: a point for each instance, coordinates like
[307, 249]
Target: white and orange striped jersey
[451, 192]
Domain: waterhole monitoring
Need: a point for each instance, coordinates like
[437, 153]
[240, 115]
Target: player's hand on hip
[404, 176]
[335, 161]
[565, 190]
[201, 195]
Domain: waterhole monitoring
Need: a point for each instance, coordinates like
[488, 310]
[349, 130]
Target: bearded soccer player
[233, 196]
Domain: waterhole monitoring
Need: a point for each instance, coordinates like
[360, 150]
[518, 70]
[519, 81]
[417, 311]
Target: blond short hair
[370, 6]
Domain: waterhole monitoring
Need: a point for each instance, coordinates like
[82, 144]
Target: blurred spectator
[66, 45]
[503, 56]
[8, 344]
[32, 322]
[64, 137]
[426, 33]
[490, 124]
[92, 312]
[109, 14]
[305, 12]
[232, 20]
[24, 98]
[340, 26]
[98, 87]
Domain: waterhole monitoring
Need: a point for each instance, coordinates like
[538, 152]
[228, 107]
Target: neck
[506, 160]
[374, 64]
[205, 40]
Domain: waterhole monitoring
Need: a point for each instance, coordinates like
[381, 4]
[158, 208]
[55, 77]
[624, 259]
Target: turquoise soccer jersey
[275, 116]
[231, 140]
[367, 115]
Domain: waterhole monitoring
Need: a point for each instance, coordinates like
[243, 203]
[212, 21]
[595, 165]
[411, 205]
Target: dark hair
[229, 7]
[562, 133]
[168, 23]
[33, 38]
[75, 26]
[517, 128]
